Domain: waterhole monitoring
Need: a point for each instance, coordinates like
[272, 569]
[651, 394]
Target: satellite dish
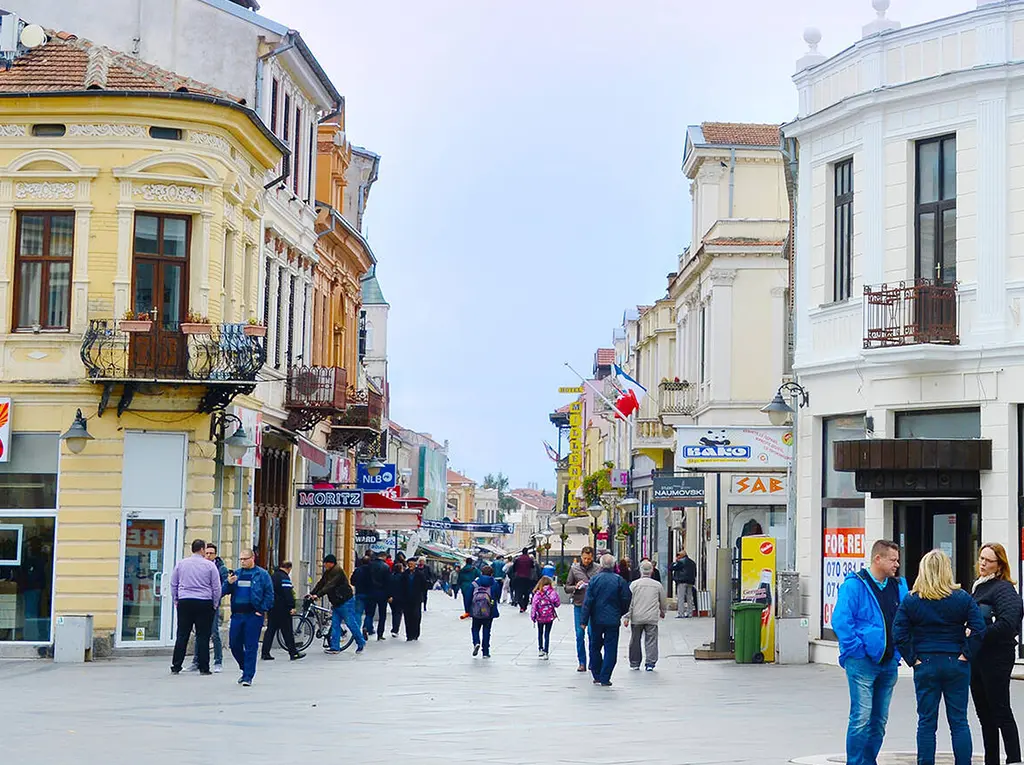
[32, 36]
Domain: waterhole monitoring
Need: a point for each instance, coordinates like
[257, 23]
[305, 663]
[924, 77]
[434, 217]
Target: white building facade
[908, 288]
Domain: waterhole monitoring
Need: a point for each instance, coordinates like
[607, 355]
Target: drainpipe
[322, 234]
[732, 178]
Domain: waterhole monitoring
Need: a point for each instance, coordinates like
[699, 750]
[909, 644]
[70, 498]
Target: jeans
[543, 636]
[685, 599]
[581, 633]
[244, 639]
[376, 604]
[486, 625]
[346, 613]
[990, 687]
[196, 613]
[649, 634]
[397, 608]
[942, 676]
[871, 687]
[364, 612]
[604, 648]
[467, 596]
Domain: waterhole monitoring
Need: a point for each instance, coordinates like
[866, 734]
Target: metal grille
[910, 314]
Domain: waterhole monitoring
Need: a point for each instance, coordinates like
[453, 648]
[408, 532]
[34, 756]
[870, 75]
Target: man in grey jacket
[576, 587]
[645, 609]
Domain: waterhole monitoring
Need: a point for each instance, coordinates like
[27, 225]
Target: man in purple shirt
[195, 589]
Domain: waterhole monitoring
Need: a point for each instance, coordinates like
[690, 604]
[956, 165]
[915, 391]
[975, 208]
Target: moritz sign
[330, 498]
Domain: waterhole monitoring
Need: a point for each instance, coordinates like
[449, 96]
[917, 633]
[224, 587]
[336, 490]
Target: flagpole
[599, 393]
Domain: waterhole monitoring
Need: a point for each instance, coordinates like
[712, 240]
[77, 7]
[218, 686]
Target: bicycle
[314, 622]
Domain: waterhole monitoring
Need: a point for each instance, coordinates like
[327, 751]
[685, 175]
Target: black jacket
[397, 587]
[334, 584]
[684, 571]
[1002, 610]
[361, 579]
[379, 577]
[416, 584]
[284, 592]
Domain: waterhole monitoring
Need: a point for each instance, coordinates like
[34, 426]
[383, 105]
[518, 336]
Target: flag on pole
[632, 393]
[552, 453]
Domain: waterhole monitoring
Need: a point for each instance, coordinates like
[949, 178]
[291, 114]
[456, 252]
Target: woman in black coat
[1000, 604]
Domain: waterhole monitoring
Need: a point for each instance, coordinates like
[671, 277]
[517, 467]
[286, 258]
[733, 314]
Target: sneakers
[581, 668]
[240, 680]
[394, 634]
[358, 650]
[464, 616]
[218, 668]
[649, 667]
[487, 656]
[381, 637]
[268, 657]
[544, 656]
[476, 649]
[540, 653]
[297, 655]
[636, 668]
[332, 652]
[192, 668]
[247, 683]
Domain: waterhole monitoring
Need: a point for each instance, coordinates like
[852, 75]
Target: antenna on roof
[32, 36]
[17, 38]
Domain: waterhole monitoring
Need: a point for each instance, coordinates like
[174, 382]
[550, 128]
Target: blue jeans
[871, 687]
[581, 632]
[244, 639]
[363, 612]
[485, 624]
[942, 675]
[604, 649]
[346, 613]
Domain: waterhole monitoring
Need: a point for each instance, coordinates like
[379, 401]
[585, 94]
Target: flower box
[195, 328]
[135, 325]
[254, 330]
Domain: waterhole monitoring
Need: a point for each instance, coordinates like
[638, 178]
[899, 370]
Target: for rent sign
[842, 552]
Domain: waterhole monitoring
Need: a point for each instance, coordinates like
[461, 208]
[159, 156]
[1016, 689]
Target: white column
[999, 485]
[6, 258]
[201, 293]
[720, 341]
[80, 287]
[993, 190]
[803, 258]
[122, 274]
[871, 199]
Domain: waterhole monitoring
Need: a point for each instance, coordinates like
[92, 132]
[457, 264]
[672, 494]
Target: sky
[530, 187]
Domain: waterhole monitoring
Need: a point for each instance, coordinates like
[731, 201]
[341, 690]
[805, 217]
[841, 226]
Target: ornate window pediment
[45, 176]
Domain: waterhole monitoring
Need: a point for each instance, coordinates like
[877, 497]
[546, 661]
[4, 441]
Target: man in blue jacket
[862, 620]
[608, 598]
[252, 596]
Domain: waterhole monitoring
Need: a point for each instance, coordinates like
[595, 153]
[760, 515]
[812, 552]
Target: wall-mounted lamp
[238, 443]
[374, 466]
[778, 411]
[77, 436]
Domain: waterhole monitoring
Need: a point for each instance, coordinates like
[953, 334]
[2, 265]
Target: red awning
[375, 500]
[312, 452]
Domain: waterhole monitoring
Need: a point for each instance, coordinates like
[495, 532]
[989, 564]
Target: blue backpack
[482, 604]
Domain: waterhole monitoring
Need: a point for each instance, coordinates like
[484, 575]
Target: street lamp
[628, 505]
[595, 512]
[235, 445]
[374, 466]
[562, 518]
[77, 436]
[781, 413]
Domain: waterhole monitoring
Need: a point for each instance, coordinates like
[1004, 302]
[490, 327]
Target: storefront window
[842, 517]
[954, 423]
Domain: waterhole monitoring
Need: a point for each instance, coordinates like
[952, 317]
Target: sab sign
[385, 479]
[758, 485]
[769, 448]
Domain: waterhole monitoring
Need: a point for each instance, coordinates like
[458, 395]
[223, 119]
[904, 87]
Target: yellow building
[130, 231]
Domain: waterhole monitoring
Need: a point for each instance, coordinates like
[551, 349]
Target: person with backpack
[543, 612]
[467, 575]
[684, 574]
[483, 607]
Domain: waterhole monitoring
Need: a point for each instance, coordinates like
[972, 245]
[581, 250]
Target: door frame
[929, 508]
[174, 531]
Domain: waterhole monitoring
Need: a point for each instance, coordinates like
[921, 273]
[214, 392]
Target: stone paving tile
[434, 701]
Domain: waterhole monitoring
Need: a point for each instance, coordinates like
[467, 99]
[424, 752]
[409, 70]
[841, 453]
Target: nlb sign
[385, 479]
[713, 449]
[329, 498]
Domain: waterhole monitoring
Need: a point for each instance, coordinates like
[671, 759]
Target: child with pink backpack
[543, 612]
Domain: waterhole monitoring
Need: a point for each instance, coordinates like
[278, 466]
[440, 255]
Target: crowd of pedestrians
[957, 643]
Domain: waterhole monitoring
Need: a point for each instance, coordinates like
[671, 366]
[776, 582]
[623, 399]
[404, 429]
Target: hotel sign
[572, 391]
[575, 449]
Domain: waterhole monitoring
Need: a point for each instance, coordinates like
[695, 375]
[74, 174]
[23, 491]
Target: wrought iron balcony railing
[922, 312]
[139, 351]
[677, 398]
[313, 394]
[363, 411]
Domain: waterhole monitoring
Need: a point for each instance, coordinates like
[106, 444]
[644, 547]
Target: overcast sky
[530, 187]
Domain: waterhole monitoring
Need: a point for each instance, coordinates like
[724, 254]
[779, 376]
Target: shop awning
[385, 519]
[374, 499]
[492, 549]
[442, 552]
[312, 452]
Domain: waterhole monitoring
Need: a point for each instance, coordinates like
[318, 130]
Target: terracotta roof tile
[454, 477]
[740, 134]
[67, 62]
[542, 502]
[605, 357]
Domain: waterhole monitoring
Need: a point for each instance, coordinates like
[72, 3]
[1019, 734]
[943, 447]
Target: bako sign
[714, 449]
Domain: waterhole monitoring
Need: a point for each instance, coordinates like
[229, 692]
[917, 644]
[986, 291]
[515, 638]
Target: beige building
[728, 298]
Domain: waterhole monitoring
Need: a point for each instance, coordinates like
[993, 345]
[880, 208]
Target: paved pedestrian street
[435, 702]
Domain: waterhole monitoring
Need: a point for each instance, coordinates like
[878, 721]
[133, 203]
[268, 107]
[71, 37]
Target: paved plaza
[433, 701]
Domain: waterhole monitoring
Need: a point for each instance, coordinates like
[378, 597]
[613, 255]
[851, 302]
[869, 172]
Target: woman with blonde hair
[938, 627]
[995, 593]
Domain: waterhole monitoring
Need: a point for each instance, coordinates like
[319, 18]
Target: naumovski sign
[715, 449]
[678, 490]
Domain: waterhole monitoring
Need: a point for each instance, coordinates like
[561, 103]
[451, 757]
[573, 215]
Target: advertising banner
[481, 528]
[366, 537]
[714, 449]
[678, 490]
[842, 551]
[5, 430]
[757, 585]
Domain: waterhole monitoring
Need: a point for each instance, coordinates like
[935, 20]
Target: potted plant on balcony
[196, 324]
[254, 329]
[136, 322]
[626, 529]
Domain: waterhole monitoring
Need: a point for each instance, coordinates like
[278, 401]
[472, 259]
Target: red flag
[626, 404]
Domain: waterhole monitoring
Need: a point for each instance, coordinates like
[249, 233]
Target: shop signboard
[252, 421]
[842, 552]
[620, 479]
[341, 468]
[678, 490]
[385, 478]
[366, 536]
[732, 448]
[480, 528]
[575, 449]
[329, 498]
[757, 585]
[758, 485]
[5, 429]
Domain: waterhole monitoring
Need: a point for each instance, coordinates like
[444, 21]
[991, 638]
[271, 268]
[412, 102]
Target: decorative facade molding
[9, 131]
[723, 277]
[210, 140]
[169, 192]
[109, 130]
[44, 190]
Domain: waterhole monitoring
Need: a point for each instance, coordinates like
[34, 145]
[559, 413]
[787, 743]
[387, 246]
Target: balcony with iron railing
[917, 313]
[313, 394]
[223, 357]
[676, 400]
[361, 421]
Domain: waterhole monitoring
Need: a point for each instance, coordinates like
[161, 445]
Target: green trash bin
[747, 631]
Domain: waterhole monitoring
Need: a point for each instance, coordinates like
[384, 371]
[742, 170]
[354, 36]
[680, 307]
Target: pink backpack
[545, 603]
